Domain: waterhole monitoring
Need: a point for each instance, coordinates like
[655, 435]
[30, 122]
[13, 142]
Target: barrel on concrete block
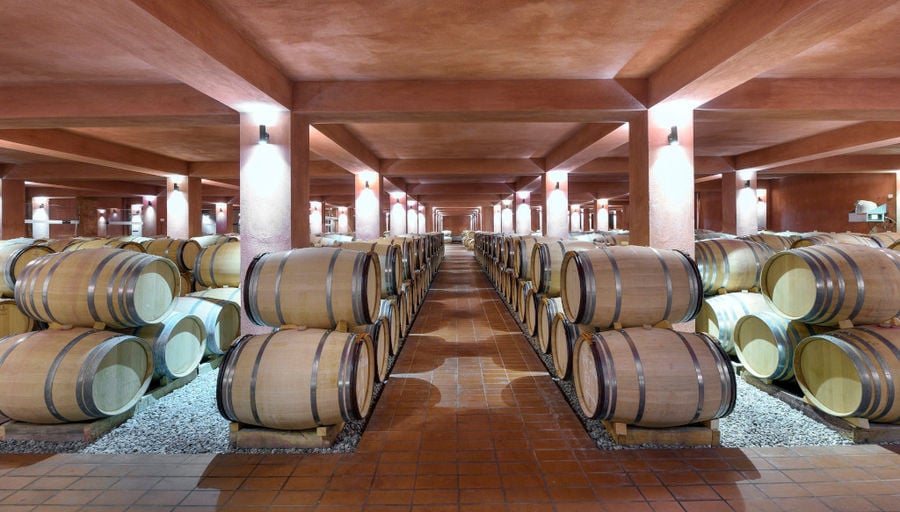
[177, 342]
[313, 287]
[219, 265]
[719, 314]
[825, 284]
[116, 287]
[630, 285]
[730, 264]
[68, 375]
[852, 372]
[652, 377]
[765, 343]
[221, 320]
[297, 379]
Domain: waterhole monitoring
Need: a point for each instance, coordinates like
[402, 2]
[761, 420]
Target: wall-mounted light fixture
[175, 187]
[148, 204]
[221, 210]
[747, 184]
[367, 183]
[41, 206]
[263, 134]
[557, 185]
[673, 135]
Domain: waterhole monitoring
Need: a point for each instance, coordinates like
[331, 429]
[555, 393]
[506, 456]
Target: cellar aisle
[469, 420]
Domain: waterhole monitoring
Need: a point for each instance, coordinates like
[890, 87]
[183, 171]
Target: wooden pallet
[248, 437]
[858, 430]
[89, 431]
[698, 434]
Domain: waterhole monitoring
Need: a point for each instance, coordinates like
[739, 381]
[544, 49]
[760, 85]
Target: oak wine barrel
[231, 294]
[14, 257]
[563, 336]
[313, 287]
[116, 287]
[773, 241]
[833, 238]
[176, 342]
[719, 314]
[852, 372]
[69, 375]
[730, 264]
[546, 263]
[652, 377]
[13, 320]
[379, 332]
[218, 265]
[825, 284]
[221, 320]
[546, 312]
[390, 309]
[630, 285]
[765, 343]
[297, 379]
[182, 252]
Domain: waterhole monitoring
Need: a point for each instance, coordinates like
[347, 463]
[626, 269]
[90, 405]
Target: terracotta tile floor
[469, 421]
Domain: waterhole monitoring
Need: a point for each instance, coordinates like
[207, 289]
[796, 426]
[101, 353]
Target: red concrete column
[12, 209]
[523, 213]
[601, 213]
[183, 207]
[397, 210]
[661, 178]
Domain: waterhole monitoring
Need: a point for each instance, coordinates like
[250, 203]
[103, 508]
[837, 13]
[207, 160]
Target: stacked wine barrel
[313, 297]
[600, 304]
[730, 269]
[15, 254]
[112, 326]
[183, 253]
[815, 289]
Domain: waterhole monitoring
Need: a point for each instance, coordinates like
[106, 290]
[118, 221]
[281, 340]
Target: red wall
[456, 223]
[822, 202]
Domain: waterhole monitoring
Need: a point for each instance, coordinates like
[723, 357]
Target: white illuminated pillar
[575, 217]
[368, 205]
[739, 209]
[420, 217]
[40, 217]
[498, 220]
[523, 213]
[343, 220]
[398, 214]
[556, 204]
[412, 216]
[315, 218]
[602, 213]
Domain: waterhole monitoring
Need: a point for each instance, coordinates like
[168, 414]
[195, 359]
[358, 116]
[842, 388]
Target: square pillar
[368, 206]
[556, 204]
[739, 203]
[12, 209]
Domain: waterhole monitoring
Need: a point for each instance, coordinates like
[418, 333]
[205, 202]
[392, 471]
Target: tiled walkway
[469, 421]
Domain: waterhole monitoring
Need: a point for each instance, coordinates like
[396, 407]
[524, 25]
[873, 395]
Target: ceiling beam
[71, 146]
[220, 184]
[103, 105]
[194, 45]
[591, 141]
[465, 100]
[467, 189]
[460, 167]
[337, 144]
[843, 164]
[849, 139]
[749, 39]
[61, 171]
[99, 188]
[808, 99]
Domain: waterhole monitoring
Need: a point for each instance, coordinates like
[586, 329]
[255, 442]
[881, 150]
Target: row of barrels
[338, 314]
[593, 308]
[806, 293]
[116, 320]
